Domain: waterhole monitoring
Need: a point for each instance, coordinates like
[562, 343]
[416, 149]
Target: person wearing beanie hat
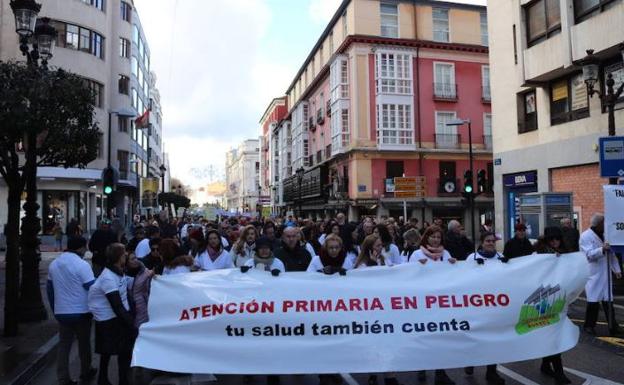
[264, 258]
[552, 243]
[519, 245]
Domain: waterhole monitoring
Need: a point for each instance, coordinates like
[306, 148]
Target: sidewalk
[22, 356]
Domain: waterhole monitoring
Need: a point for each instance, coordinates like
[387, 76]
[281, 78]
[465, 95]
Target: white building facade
[546, 127]
[242, 175]
[103, 42]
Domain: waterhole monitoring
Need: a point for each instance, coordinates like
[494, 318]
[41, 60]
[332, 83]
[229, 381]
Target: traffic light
[481, 181]
[109, 181]
[468, 185]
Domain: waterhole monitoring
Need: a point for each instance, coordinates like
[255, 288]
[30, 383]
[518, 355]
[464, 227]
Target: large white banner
[614, 214]
[400, 318]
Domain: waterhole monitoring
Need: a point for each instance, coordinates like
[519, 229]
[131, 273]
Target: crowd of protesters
[113, 291]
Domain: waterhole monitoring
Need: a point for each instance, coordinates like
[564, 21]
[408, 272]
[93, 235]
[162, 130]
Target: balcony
[320, 118]
[487, 141]
[311, 124]
[445, 92]
[448, 141]
[486, 96]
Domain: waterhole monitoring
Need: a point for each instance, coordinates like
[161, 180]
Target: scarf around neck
[267, 262]
[337, 262]
[434, 253]
[488, 254]
[212, 253]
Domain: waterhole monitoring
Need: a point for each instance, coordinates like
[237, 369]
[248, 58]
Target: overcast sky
[219, 63]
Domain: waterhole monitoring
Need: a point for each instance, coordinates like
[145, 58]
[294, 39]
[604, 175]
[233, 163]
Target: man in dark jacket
[98, 243]
[295, 257]
[456, 243]
[571, 235]
[519, 245]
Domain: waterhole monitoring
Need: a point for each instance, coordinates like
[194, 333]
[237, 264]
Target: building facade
[242, 176]
[546, 125]
[270, 160]
[103, 42]
[371, 103]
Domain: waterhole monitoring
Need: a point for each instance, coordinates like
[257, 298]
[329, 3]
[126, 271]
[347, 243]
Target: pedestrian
[304, 234]
[264, 259]
[432, 250]
[57, 230]
[244, 249]
[114, 326]
[175, 261]
[196, 243]
[456, 242]
[139, 235]
[214, 256]
[598, 288]
[98, 243]
[154, 261]
[390, 251]
[331, 228]
[69, 280]
[519, 245]
[143, 248]
[411, 240]
[571, 235]
[487, 254]
[311, 236]
[332, 258]
[294, 256]
[552, 243]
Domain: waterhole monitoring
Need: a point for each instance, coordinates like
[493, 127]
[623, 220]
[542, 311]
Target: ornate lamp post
[41, 36]
[591, 71]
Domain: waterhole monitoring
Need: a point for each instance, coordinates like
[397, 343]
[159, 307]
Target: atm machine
[540, 210]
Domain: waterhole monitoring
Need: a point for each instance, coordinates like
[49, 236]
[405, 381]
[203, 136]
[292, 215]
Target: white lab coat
[597, 288]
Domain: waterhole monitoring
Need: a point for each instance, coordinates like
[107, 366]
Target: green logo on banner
[540, 309]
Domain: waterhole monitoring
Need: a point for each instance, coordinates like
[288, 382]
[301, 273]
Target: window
[85, 40]
[122, 158]
[124, 84]
[97, 45]
[124, 47]
[134, 66]
[78, 38]
[484, 28]
[568, 100]
[485, 83]
[122, 123]
[344, 25]
[389, 20]
[448, 178]
[135, 99]
[616, 69]
[527, 112]
[135, 34]
[446, 136]
[444, 81]
[487, 130]
[394, 125]
[393, 73]
[542, 20]
[72, 37]
[441, 24]
[99, 4]
[584, 9]
[126, 12]
[394, 169]
[340, 129]
[97, 91]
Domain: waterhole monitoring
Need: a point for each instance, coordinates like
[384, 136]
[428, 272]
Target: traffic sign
[410, 187]
[612, 156]
[410, 194]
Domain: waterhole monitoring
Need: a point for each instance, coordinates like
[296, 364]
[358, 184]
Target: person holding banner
[264, 258]
[432, 249]
[370, 253]
[488, 254]
[244, 249]
[214, 257]
[294, 256]
[598, 287]
[175, 261]
[332, 258]
[412, 243]
[390, 251]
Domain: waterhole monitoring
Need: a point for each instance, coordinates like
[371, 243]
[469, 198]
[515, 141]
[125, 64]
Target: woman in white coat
[332, 257]
[597, 287]
[215, 256]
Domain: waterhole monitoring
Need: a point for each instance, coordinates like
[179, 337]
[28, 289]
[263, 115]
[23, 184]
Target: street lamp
[299, 172]
[591, 70]
[163, 170]
[471, 193]
[26, 26]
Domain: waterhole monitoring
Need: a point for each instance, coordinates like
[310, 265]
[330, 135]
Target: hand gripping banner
[381, 319]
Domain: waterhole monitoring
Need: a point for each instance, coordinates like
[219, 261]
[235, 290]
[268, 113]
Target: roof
[270, 106]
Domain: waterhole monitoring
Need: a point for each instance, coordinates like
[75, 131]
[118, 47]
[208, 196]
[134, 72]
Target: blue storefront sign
[612, 157]
[521, 179]
[514, 185]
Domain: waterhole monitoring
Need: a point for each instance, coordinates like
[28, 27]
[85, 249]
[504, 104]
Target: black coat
[458, 246]
[516, 247]
[571, 238]
[98, 243]
[297, 259]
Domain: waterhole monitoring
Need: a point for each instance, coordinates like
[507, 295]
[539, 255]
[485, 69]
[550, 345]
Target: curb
[34, 363]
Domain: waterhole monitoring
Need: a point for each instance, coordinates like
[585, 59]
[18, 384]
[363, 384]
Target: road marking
[597, 323]
[613, 341]
[516, 376]
[591, 379]
[614, 305]
[349, 379]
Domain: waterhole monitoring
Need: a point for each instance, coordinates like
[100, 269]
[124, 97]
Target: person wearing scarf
[244, 249]
[487, 254]
[432, 249]
[215, 256]
[552, 243]
[332, 258]
[412, 243]
[264, 259]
